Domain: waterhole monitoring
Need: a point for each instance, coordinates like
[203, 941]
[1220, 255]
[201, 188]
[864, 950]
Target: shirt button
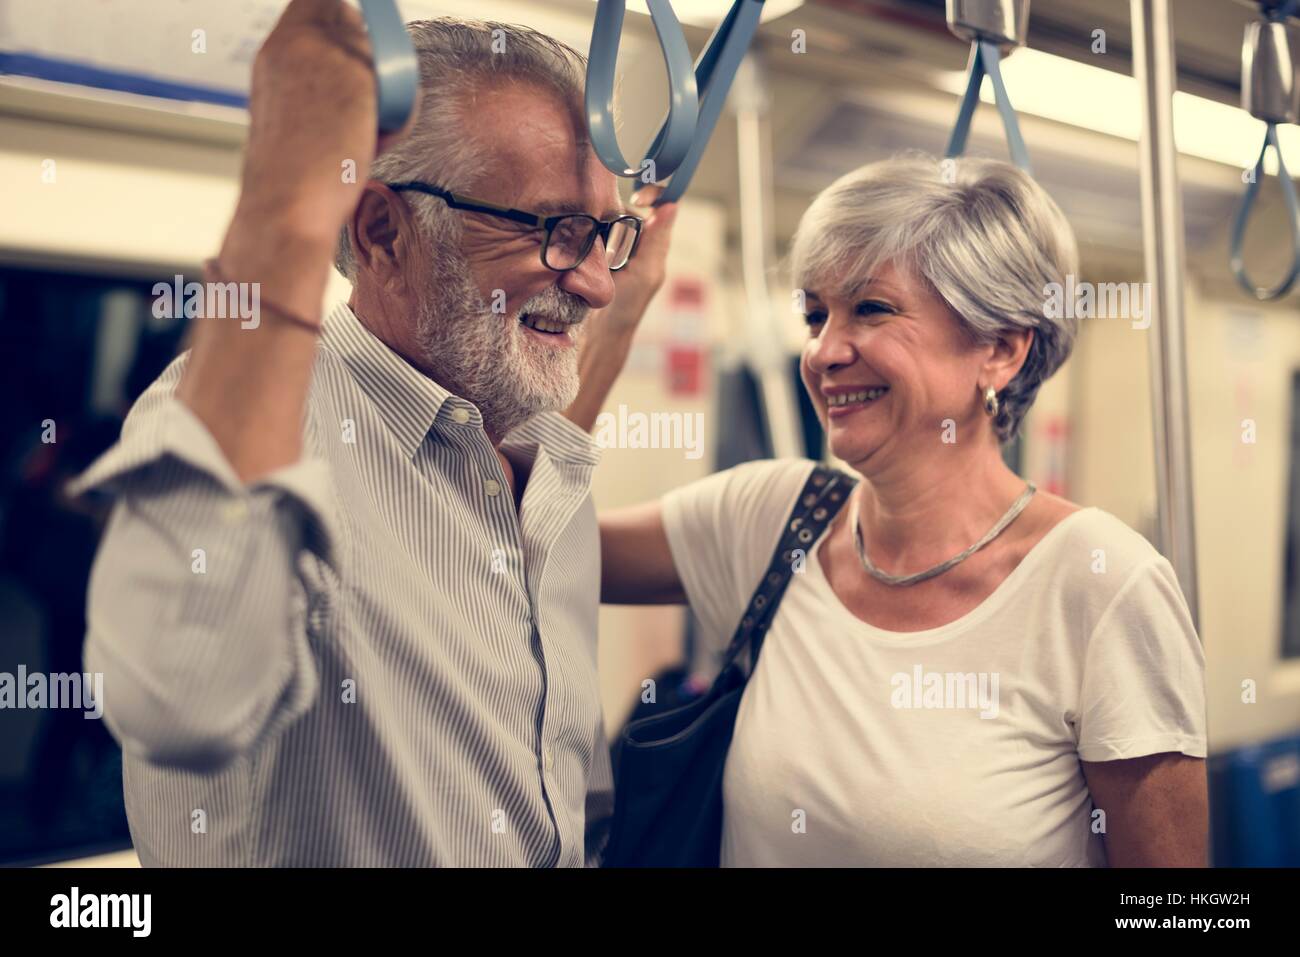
[492, 487]
[548, 758]
[232, 513]
[460, 416]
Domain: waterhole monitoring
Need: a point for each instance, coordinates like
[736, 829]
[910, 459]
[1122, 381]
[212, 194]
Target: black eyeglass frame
[600, 227]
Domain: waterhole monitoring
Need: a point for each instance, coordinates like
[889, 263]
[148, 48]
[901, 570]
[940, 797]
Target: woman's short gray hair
[456, 57]
[984, 236]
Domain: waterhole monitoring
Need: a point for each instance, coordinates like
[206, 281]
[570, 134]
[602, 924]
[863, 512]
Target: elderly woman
[927, 343]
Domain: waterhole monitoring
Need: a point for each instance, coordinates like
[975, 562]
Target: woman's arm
[636, 564]
[1157, 809]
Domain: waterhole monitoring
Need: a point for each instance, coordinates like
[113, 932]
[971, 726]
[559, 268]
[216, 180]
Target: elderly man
[346, 605]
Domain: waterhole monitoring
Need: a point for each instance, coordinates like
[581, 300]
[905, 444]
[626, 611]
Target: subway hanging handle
[1268, 93]
[396, 69]
[990, 26]
[674, 140]
[714, 72]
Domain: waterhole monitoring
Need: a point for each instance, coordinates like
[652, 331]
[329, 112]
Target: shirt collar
[411, 403]
[407, 399]
[563, 440]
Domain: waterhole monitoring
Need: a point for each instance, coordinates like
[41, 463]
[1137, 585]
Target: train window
[75, 352]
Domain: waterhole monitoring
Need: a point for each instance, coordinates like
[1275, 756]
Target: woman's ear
[1009, 354]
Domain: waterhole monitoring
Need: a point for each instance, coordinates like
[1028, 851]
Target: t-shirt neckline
[910, 639]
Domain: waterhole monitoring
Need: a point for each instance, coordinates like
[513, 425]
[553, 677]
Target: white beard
[487, 358]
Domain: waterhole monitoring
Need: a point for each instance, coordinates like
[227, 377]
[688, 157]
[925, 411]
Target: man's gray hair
[457, 57]
[984, 236]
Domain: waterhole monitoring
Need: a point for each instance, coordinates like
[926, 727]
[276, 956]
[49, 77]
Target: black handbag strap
[823, 495]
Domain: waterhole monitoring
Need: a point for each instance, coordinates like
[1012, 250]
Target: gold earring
[991, 401]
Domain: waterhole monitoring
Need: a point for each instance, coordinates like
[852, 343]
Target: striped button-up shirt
[369, 657]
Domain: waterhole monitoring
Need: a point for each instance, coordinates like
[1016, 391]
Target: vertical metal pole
[1162, 240]
[764, 339]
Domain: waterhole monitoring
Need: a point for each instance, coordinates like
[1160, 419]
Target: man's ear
[379, 230]
[1008, 357]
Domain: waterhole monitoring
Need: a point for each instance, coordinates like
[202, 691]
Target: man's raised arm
[191, 613]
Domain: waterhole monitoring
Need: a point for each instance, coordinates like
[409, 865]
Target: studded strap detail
[815, 507]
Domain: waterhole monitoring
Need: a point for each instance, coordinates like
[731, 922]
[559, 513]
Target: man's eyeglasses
[569, 236]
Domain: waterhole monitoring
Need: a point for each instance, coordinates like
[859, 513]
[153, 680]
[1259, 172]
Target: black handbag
[668, 768]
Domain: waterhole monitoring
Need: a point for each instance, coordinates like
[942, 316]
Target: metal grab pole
[763, 337]
[1162, 241]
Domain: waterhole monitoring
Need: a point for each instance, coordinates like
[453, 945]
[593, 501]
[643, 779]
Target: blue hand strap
[1243, 215]
[396, 70]
[985, 58]
[714, 73]
[1237, 261]
[674, 141]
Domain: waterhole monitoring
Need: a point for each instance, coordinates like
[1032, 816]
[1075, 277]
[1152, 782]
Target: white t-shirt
[954, 746]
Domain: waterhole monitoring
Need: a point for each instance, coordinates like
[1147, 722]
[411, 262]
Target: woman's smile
[843, 401]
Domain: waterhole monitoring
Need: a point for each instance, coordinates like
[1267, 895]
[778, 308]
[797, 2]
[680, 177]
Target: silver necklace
[1016, 508]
